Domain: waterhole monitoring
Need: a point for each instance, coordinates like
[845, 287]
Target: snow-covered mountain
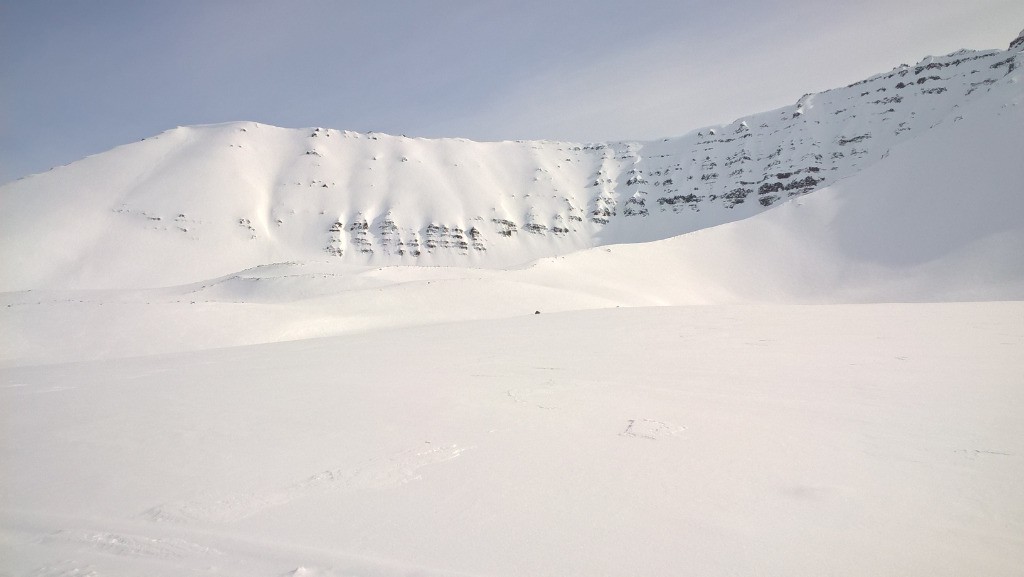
[232, 234]
[199, 202]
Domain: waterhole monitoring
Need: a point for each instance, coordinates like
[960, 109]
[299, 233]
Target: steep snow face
[198, 202]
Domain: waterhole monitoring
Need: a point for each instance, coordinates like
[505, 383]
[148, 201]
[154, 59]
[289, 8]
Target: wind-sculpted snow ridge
[200, 202]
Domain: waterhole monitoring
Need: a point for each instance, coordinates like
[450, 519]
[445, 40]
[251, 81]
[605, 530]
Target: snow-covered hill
[200, 202]
[938, 220]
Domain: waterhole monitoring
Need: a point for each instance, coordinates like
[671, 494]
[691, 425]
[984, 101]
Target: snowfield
[201, 377]
[712, 440]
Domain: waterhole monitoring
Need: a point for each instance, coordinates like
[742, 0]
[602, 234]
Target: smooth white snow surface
[832, 386]
[715, 440]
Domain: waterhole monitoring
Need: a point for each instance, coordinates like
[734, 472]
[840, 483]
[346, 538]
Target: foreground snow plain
[832, 387]
[711, 440]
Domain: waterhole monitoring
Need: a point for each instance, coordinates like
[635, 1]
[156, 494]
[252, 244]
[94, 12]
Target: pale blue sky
[77, 78]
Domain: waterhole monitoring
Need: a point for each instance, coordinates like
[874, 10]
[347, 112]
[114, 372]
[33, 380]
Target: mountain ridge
[228, 197]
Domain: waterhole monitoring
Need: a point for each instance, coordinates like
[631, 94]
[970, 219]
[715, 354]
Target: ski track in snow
[65, 568]
[651, 429]
[397, 469]
[129, 545]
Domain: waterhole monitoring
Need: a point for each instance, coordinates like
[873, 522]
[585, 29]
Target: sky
[78, 78]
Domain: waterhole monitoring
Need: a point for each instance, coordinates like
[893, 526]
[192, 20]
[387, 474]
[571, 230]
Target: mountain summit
[1018, 42]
